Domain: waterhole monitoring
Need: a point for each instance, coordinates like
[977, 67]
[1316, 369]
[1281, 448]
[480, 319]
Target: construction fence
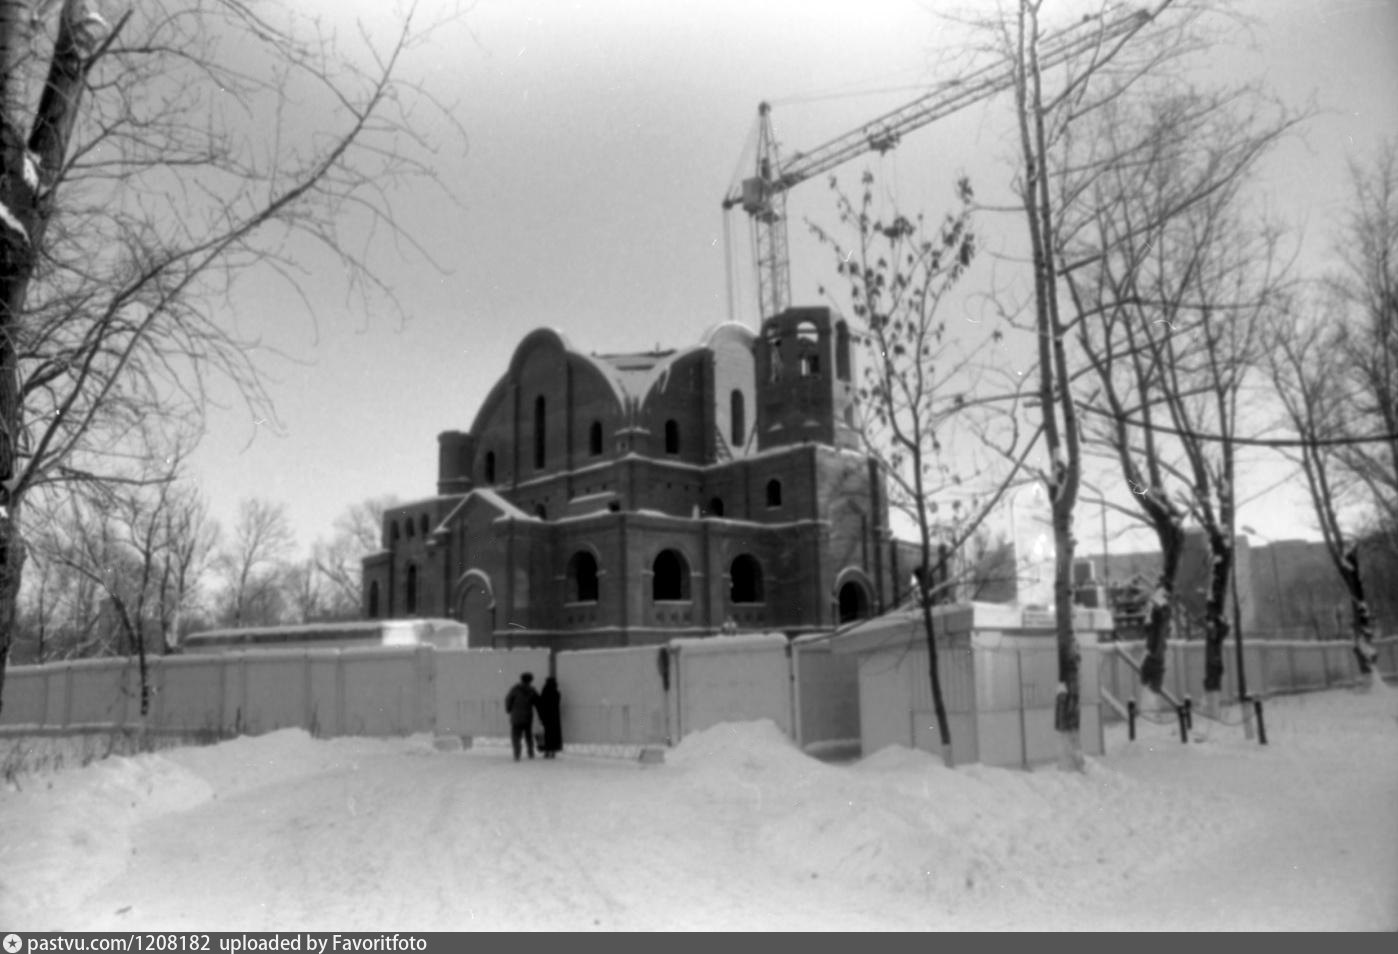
[635, 697]
[1270, 667]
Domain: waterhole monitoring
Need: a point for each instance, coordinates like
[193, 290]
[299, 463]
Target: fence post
[1131, 720]
[1184, 731]
[1261, 726]
[1023, 729]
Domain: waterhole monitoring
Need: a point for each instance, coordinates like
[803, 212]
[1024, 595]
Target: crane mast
[763, 195]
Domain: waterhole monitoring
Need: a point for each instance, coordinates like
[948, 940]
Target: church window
[490, 467]
[669, 577]
[672, 436]
[582, 578]
[410, 590]
[745, 579]
[774, 493]
[374, 600]
[854, 602]
[842, 351]
[539, 442]
[594, 438]
[737, 419]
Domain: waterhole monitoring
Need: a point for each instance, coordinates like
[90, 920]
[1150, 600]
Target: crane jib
[762, 195]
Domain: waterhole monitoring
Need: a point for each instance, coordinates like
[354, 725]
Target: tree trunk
[1365, 652]
[1216, 626]
[1162, 601]
[12, 555]
[938, 706]
[1067, 715]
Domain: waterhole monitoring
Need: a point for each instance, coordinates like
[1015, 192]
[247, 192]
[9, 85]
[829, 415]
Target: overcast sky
[601, 139]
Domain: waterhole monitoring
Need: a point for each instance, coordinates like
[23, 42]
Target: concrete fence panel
[272, 690]
[827, 694]
[884, 676]
[99, 691]
[27, 693]
[732, 679]
[615, 696]
[1341, 668]
[387, 692]
[470, 686]
[956, 671]
[190, 693]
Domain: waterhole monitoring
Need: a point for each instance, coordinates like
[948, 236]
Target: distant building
[624, 499]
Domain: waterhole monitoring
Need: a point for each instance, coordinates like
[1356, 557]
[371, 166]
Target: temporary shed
[999, 675]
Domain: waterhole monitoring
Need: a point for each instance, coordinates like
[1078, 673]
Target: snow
[737, 829]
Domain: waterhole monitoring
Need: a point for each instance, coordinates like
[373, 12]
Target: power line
[1248, 441]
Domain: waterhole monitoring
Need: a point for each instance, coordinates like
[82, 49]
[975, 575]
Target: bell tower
[805, 391]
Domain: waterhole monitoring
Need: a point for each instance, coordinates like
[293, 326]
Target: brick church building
[626, 499]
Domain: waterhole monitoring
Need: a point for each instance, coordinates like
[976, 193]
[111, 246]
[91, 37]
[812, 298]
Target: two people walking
[520, 703]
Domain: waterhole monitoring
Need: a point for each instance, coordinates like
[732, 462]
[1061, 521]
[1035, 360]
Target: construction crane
[763, 195]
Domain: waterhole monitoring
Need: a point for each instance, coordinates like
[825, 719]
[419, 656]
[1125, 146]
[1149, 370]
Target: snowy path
[737, 830]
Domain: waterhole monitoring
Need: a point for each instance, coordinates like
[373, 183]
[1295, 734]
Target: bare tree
[145, 165]
[1364, 294]
[1313, 375]
[190, 537]
[1154, 275]
[898, 272]
[1117, 55]
[115, 535]
[253, 562]
[357, 533]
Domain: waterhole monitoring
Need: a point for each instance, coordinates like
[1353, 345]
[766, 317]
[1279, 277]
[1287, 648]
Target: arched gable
[529, 407]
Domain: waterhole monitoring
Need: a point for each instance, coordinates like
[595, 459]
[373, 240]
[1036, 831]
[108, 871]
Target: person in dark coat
[550, 705]
[519, 703]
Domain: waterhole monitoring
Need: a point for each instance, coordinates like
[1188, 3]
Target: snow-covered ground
[736, 830]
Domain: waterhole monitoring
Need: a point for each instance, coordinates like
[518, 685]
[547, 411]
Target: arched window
[374, 600]
[669, 577]
[408, 527]
[539, 443]
[745, 580]
[716, 507]
[854, 602]
[490, 467]
[582, 578]
[594, 438]
[810, 365]
[422, 524]
[672, 436]
[774, 493]
[737, 419]
[393, 533]
[842, 351]
[410, 590]
[808, 332]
